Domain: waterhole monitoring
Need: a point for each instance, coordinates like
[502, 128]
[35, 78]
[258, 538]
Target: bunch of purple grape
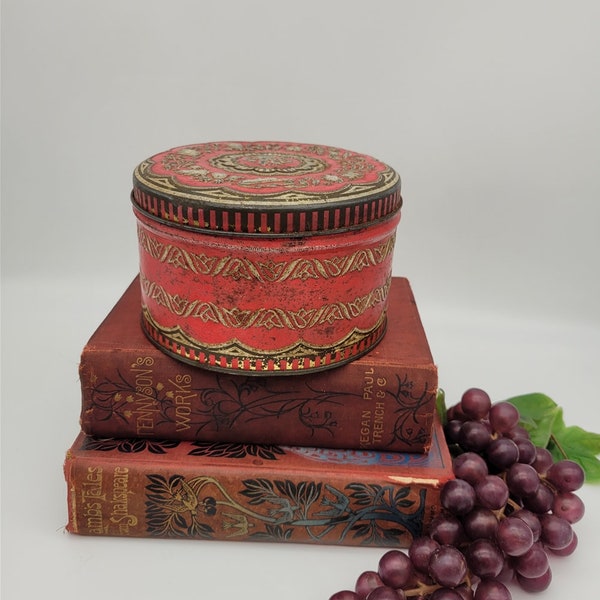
[509, 507]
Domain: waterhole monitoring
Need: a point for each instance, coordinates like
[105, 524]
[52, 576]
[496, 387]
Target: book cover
[228, 491]
[383, 400]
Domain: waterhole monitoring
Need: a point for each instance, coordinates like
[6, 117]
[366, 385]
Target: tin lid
[273, 188]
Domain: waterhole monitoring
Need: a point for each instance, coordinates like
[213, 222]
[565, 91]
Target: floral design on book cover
[237, 402]
[280, 509]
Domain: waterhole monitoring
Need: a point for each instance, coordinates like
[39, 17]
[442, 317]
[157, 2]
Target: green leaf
[591, 466]
[579, 445]
[538, 415]
[543, 419]
[579, 439]
[440, 405]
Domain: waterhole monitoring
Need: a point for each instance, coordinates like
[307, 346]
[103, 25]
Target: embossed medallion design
[269, 162]
[225, 170]
[265, 187]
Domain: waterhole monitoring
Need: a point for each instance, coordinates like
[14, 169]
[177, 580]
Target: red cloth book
[216, 490]
[382, 400]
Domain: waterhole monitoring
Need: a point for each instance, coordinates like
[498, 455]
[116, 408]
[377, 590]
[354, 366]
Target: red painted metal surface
[265, 257]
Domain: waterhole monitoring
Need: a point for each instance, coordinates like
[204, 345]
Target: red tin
[265, 257]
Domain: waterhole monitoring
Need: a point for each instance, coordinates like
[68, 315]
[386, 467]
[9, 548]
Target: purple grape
[557, 532]
[447, 530]
[451, 430]
[517, 433]
[366, 583]
[514, 536]
[508, 571]
[447, 566]
[502, 452]
[567, 550]
[534, 563]
[480, 523]
[535, 584]
[474, 436]
[541, 501]
[464, 591]
[470, 467]
[522, 480]
[503, 417]
[543, 460]
[526, 450]
[491, 589]
[395, 569]
[445, 594]
[456, 413]
[475, 403]
[566, 476]
[494, 548]
[532, 520]
[458, 497]
[344, 595]
[386, 593]
[569, 506]
[420, 552]
[484, 558]
[492, 492]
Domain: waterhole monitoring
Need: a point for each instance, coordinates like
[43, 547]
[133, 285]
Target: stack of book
[352, 455]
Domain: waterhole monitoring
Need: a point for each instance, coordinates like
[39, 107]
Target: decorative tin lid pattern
[274, 188]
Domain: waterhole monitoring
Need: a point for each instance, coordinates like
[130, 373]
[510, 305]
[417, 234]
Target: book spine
[130, 497]
[358, 405]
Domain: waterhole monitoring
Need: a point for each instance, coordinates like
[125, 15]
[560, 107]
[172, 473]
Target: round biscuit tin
[265, 257]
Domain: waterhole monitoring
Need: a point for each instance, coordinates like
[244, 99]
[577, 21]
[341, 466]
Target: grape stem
[557, 444]
[423, 589]
[513, 504]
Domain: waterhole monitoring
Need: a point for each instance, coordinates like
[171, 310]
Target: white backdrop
[489, 111]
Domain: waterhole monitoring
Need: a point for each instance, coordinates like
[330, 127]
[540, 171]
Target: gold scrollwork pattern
[265, 271]
[226, 172]
[268, 318]
[178, 343]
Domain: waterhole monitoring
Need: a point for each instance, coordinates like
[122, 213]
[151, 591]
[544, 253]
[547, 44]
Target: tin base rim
[261, 366]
